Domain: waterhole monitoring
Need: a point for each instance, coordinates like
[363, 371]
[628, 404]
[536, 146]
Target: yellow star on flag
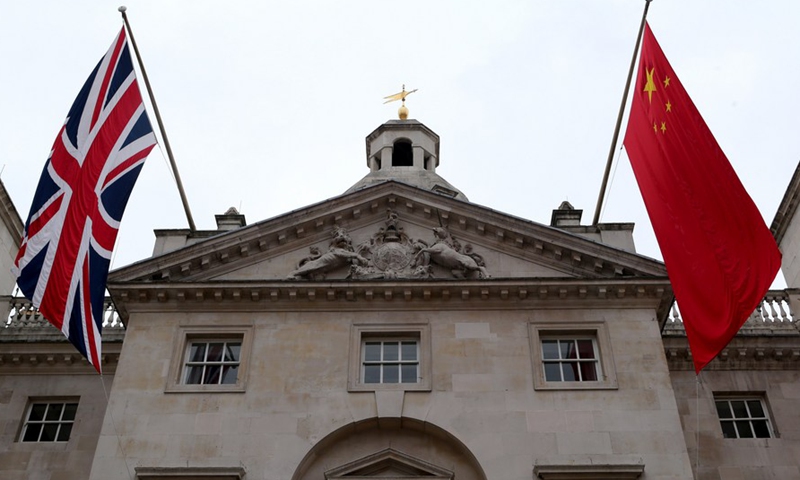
[650, 86]
[666, 82]
[663, 127]
[669, 106]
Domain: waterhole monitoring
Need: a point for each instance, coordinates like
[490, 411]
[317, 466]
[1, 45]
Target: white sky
[267, 104]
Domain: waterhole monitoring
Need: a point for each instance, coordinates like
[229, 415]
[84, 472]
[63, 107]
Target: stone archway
[400, 448]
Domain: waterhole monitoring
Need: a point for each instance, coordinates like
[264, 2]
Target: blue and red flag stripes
[65, 254]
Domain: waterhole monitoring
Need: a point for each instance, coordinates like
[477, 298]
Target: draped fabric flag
[64, 257]
[720, 256]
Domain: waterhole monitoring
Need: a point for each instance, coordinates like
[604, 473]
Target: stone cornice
[546, 245]
[768, 352]
[54, 358]
[519, 294]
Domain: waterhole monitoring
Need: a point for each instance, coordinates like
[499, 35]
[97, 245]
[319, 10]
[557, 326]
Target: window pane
[194, 375]
[550, 349]
[54, 411]
[230, 374]
[739, 410]
[372, 374]
[69, 411]
[63, 433]
[32, 432]
[586, 349]
[391, 373]
[570, 371]
[728, 430]
[743, 427]
[215, 351]
[552, 372]
[197, 352]
[756, 411]
[409, 373]
[409, 351]
[724, 410]
[372, 352]
[390, 351]
[37, 411]
[212, 375]
[761, 429]
[232, 352]
[568, 349]
[49, 432]
[588, 372]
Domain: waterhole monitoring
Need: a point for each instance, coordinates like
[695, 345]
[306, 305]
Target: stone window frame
[746, 396]
[595, 330]
[362, 331]
[26, 419]
[183, 340]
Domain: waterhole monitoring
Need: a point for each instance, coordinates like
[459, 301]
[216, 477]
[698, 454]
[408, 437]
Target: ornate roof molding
[562, 251]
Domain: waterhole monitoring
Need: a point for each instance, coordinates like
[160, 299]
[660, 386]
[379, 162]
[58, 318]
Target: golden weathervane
[402, 112]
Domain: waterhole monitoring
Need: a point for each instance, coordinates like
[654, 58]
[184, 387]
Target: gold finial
[402, 112]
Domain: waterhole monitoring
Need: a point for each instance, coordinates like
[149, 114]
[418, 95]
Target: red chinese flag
[720, 256]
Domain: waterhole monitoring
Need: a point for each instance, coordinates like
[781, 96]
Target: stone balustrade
[775, 315]
[21, 314]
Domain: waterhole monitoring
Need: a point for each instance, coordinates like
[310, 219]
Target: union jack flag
[63, 260]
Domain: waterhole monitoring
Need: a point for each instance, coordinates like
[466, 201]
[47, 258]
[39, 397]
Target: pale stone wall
[482, 395]
[742, 458]
[790, 247]
[50, 461]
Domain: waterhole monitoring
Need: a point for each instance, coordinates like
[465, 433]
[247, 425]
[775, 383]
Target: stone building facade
[398, 331]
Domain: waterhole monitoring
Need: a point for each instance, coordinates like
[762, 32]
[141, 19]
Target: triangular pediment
[389, 464]
[391, 231]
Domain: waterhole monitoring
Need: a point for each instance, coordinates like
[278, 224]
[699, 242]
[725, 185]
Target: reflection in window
[570, 360]
[212, 362]
[395, 361]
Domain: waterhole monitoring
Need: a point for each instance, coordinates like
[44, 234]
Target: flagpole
[619, 118]
[172, 163]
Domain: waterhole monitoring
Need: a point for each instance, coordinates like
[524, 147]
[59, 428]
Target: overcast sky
[267, 104]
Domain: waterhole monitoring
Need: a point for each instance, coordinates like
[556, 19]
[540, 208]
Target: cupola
[405, 151]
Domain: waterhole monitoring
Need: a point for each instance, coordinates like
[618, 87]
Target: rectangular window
[210, 359]
[49, 422]
[571, 356]
[570, 360]
[390, 361]
[212, 362]
[744, 417]
[390, 357]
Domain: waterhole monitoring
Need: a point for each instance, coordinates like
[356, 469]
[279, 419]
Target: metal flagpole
[172, 163]
[619, 118]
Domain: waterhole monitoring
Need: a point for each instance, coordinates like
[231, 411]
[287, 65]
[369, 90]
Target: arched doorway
[389, 448]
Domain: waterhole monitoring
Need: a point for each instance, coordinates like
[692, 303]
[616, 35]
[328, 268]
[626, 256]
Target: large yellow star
[669, 106]
[666, 82]
[650, 86]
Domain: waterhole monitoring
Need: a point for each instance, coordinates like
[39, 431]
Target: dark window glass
[409, 351]
[761, 429]
[372, 352]
[550, 349]
[739, 409]
[391, 373]
[743, 427]
[724, 410]
[372, 374]
[552, 372]
[728, 430]
[585, 349]
[409, 373]
[588, 372]
[390, 352]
